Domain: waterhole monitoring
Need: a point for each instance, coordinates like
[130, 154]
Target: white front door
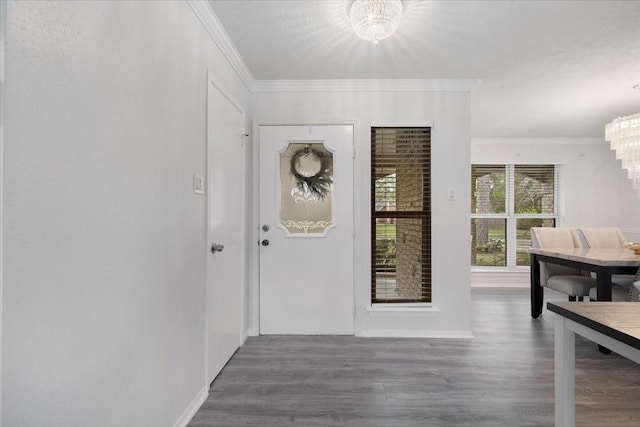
[225, 209]
[306, 230]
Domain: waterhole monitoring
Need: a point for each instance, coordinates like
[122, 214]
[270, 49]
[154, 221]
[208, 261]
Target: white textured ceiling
[547, 68]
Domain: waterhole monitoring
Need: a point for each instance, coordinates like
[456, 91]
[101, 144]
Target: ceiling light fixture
[623, 134]
[375, 20]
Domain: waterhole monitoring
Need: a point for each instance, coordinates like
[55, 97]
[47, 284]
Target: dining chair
[602, 237]
[609, 238]
[571, 281]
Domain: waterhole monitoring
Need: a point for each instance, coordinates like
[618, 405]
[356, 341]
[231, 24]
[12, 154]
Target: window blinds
[401, 215]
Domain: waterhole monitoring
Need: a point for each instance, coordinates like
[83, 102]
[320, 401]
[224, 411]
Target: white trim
[500, 279]
[254, 254]
[409, 333]
[539, 141]
[401, 124]
[192, 408]
[3, 51]
[402, 306]
[365, 85]
[212, 24]
[402, 310]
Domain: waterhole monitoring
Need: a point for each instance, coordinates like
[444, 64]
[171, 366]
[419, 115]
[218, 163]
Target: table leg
[603, 283]
[536, 289]
[565, 374]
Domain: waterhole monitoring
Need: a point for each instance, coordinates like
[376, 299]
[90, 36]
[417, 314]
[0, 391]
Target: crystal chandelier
[624, 135]
[375, 20]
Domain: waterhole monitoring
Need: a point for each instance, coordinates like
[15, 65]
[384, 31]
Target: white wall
[448, 113]
[104, 248]
[596, 193]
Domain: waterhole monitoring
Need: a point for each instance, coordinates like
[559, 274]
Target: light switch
[198, 184]
[452, 194]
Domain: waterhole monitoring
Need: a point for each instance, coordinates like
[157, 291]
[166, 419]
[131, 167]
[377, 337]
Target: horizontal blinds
[401, 214]
[514, 189]
[534, 189]
[488, 185]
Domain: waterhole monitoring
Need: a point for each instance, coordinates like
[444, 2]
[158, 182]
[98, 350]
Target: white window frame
[511, 217]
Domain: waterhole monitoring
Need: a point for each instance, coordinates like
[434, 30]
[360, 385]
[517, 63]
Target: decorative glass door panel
[306, 184]
[306, 272]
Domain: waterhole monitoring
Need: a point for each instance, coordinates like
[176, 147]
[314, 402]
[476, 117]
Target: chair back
[603, 237]
[549, 237]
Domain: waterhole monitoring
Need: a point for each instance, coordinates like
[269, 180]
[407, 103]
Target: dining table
[603, 263]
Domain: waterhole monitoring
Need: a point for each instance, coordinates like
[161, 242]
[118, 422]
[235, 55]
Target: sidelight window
[400, 215]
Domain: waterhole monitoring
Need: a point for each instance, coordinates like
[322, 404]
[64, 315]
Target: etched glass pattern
[306, 188]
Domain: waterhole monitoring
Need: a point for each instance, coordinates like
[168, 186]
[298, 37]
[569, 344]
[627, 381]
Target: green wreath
[318, 184]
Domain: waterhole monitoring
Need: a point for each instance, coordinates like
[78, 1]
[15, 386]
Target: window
[506, 201]
[400, 215]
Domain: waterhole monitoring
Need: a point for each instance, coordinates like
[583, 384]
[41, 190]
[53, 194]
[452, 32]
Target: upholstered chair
[573, 282]
[608, 238]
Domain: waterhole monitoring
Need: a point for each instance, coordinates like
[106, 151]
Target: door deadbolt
[265, 227]
[265, 242]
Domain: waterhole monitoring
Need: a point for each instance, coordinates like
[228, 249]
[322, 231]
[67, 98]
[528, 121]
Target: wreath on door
[312, 171]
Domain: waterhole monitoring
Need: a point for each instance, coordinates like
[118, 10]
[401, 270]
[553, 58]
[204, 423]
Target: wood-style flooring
[502, 377]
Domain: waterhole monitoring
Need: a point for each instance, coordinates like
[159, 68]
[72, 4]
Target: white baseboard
[193, 407]
[500, 279]
[408, 333]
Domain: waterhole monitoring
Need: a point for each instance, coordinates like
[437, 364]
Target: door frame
[253, 326]
[213, 80]
[3, 41]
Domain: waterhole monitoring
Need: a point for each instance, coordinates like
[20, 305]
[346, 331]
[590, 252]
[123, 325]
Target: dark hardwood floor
[502, 377]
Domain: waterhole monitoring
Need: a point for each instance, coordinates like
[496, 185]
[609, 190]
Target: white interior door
[306, 230]
[225, 184]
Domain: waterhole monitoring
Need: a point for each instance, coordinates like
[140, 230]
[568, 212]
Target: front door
[306, 230]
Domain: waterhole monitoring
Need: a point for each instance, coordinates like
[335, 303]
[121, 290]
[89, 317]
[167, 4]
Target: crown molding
[202, 9]
[366, 85]
[212, 24]
[539, 141]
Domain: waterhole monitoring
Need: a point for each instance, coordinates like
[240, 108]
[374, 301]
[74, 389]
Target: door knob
[216, 248]
[265, 242]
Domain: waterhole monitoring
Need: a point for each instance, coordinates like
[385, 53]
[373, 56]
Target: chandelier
[375, 20]
[624, 135]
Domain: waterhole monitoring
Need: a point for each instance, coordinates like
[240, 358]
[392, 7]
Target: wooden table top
[619, 257]
[619, 320]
